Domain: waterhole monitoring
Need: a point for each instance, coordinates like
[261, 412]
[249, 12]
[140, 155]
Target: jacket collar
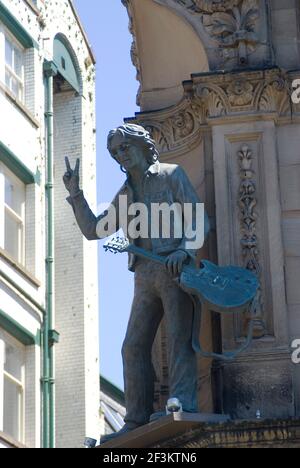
[153, 170]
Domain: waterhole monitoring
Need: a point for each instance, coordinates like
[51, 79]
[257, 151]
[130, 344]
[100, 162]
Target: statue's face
[125, 151]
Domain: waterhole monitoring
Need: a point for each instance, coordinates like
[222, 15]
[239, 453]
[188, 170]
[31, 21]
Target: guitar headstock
[117, 245]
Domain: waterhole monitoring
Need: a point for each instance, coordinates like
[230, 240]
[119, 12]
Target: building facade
[216, 92]
[112, 407]
[49, 365]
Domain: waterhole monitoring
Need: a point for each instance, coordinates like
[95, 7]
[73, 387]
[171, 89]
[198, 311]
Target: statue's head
[133, 136]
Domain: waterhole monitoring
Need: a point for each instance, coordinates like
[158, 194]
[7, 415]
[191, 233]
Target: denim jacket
[163, 183]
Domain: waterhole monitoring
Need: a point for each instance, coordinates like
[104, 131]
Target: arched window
[65, 63]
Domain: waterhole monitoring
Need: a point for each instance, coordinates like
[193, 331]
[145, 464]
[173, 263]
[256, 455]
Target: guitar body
[223, 289]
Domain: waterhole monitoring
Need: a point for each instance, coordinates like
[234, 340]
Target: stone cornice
[260, 433]
[218, 99]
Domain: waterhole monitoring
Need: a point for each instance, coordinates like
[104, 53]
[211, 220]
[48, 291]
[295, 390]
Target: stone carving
[247, 202]
[240, 93]
[134, 51]
[231, 23]
[212, 99]
[275, 96]
[217, 96]
[213, 6]
[226, 94]
[173, 131]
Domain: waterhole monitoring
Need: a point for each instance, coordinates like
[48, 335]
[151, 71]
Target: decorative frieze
[219, 95]
[261, 91]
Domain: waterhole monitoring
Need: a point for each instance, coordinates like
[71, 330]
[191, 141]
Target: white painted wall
[77, 361]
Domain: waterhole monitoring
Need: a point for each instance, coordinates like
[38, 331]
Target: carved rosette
[232, 24]
[248, 221]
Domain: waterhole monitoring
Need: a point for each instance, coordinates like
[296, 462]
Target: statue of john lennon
[156, 294]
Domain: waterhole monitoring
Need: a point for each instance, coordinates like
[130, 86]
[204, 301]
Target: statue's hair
[140, 135]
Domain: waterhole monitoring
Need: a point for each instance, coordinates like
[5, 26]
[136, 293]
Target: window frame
[5, 33]
[5, 338]
[20, 219]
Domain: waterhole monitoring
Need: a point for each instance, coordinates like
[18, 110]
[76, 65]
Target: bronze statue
[156, 293]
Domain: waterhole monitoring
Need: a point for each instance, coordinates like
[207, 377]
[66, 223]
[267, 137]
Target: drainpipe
[49, 335]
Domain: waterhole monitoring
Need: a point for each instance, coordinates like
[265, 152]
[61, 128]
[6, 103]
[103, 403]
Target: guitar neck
[155, 258]
[146, 254]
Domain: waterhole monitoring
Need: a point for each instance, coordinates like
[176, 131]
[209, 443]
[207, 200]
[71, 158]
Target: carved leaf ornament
[231, 23]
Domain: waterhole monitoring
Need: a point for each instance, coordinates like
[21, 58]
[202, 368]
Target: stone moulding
[262, 433]
[244, 95]
[134, 48]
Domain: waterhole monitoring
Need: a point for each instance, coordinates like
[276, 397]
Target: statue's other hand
[71, 177]
[175, 262]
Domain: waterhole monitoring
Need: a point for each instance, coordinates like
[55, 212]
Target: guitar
[222, 289]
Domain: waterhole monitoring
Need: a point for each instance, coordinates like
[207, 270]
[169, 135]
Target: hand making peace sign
[71, 177]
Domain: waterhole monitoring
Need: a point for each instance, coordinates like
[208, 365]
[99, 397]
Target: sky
[106, 25]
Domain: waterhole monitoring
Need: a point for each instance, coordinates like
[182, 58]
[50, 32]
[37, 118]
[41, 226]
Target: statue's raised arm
[71, 177]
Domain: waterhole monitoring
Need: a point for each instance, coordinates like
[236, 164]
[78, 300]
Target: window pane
[13, 361]
[12, 237]
[8, 53]
[18, 63]
[15, 87]
[12, 409]
[14, 195]
[7, 78]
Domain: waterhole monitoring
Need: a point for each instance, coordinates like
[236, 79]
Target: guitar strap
[226, 355]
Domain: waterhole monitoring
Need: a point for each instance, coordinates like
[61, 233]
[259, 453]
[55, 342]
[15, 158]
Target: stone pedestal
[172, 425]
[190, 431]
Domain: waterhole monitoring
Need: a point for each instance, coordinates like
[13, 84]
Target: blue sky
[106, 24]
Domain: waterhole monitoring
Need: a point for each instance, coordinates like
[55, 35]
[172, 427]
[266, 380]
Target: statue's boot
[125, 429]
[157, 415]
